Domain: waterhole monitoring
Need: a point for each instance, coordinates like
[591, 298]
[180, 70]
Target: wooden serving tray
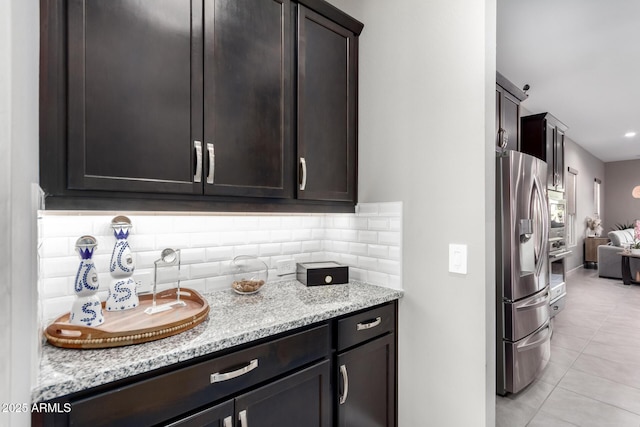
[132, 326]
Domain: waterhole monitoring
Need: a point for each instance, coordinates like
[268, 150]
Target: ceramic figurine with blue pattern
[86, 309]
[122, 292]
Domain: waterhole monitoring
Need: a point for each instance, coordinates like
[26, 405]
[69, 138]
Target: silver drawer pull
[363, 326]
[197, 177]
[242, 416]
[218, 377]
[227, 422]
[345, 382]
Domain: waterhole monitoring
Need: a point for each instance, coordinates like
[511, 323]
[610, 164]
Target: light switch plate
[458, 259]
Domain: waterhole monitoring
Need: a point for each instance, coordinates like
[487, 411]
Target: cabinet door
[301, 399]
[559, 160]
[550, 140]
[327, 90]
[218, 416]
[134, 95]
[248, 98]
[511, 120]
[367, 382]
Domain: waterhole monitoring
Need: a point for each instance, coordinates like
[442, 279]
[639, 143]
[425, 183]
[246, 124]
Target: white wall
[589, 168]
[19, 47]
[426, 105]
[619, 205]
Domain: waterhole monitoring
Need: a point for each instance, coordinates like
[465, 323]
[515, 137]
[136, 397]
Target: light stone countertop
[233, 319]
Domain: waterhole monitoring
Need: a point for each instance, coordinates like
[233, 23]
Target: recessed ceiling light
[630, 134]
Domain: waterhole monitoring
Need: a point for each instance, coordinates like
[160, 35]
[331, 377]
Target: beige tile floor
[593, 376]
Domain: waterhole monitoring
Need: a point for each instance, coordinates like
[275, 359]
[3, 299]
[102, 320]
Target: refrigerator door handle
[541, 202]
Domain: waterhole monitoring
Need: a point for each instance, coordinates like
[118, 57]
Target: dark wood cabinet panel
[367, 390]
[508, 98]
[327, 91]
[218, 416]
[248, 98]
[543, 137]
[134, 68]
[301, 399]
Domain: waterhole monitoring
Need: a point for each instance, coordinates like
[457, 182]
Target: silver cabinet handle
[212, 163]
[242, 416]
[227, 422]
[345, 382]
[363, 326]
[218, 377]
[197, 177]
[303, 183]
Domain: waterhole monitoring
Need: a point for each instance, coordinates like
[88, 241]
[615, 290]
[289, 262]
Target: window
[572, 191]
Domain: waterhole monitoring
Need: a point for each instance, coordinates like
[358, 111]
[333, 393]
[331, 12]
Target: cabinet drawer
[166, 396]
[364, 326]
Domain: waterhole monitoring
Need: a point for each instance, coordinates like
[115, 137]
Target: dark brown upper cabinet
[198, 105]
[508, 98]
[135, 96]
[543, 137]
[327, 91]
[248, 101]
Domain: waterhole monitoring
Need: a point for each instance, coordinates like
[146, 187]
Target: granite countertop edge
[52, 383]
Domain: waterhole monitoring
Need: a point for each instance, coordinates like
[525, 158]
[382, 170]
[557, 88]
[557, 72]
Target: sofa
[609, 262]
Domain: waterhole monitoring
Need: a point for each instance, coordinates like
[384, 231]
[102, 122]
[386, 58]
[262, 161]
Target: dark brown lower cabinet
[301, 399]
[367, 381]
[288, 380]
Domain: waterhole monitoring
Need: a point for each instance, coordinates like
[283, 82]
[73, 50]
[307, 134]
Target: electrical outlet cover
[285, 266]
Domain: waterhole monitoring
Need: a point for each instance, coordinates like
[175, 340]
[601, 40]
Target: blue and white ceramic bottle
[86, 309]
[122, 291]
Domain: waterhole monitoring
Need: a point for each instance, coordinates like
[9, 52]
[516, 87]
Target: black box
[322, 273]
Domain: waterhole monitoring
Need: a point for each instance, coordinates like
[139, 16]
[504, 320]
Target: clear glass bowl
[249, 274]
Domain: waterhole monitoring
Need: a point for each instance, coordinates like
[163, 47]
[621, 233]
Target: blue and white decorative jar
[122, 291]
[86, 309]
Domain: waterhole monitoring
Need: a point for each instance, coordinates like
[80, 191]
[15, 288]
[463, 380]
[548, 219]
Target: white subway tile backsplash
[376, 278]
[394, 253]
[219, 253]
[204, 270]
[250, 250]
[301, 234]
[349, 235]
[389, 238]
[368, 236]
[311, 246]
[259, 236]
[357, 223]
[57, 247]
[389, 267]
[369, 242]
[205, 239]
[367, 209]
[291, 247]
[228, 238]
[281, 235]
[367, 263]
[378, 224]
[358, 249]
[269, 249]
[56, 287]
[192, 256]
[173, 241]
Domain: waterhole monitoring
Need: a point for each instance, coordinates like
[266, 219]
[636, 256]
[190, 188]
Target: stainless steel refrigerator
[523, 328]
